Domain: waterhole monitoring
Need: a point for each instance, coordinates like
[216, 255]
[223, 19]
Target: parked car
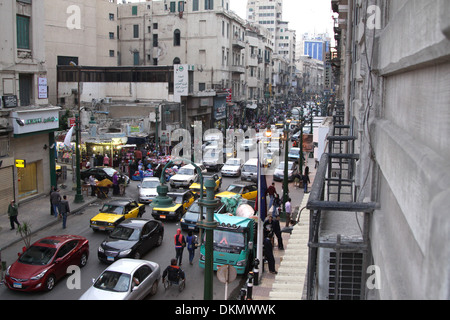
[232, 167]
[190, 218]
[250, 170]
[101, 173]
[195, 187]
[114, 212]
[182, 201]
[46, 261]
[278, 175]
[132, 238]
[248, 190]
[147, 189]
[248, 144]
[294, 154]
[125, 279]
[186, 176]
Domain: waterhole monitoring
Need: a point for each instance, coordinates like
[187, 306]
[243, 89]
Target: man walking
[180, 243]
[13, 212]
[271, 191]
[64, 210]
[55, 199]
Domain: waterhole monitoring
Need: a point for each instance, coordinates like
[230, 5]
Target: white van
[250, 170]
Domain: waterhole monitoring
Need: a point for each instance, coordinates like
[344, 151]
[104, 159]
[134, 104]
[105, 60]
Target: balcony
[237, 69]
[339, 249]
[238, 43]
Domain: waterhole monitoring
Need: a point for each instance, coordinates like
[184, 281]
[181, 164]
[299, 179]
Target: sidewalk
[36, 212]
[291, 263]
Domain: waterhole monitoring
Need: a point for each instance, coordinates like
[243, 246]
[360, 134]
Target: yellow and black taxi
[114, 212]
[195, 187]
[182, 200]
[248, 190]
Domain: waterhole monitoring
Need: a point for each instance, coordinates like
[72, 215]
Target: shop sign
[220, 109]
[21, 163]
[36, 120]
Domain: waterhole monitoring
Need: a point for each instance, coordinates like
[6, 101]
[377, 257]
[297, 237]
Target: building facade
[387, 237]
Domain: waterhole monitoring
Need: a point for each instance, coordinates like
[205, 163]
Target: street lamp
[286, 164]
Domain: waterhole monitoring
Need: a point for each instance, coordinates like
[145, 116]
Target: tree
[25, 233]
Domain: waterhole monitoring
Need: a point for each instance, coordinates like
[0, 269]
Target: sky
[304, 16]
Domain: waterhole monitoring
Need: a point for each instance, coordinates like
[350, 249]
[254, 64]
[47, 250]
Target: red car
[46, 261]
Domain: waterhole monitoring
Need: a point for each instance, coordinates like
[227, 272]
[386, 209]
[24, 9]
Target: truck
[234, 243]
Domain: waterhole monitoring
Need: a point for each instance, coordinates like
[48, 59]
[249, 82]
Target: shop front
[34, 153]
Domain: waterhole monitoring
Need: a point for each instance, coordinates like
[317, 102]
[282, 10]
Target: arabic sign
[181, 81]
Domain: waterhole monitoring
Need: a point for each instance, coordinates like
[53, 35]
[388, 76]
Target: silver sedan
[125, 279]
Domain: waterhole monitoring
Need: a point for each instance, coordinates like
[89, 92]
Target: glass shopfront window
[27, 180]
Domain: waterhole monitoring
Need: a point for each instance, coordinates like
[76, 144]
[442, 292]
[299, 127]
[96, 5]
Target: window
[136, 31]
[180, 6]
[209, 4]
[111, 53]
[176, 38]
[111, 35]
[155, 26]
[173, 5]
[176, 61]
[134, 10]
[195, 5]
[155, 40]
[23, 32]
[111, 16]
[136, 58]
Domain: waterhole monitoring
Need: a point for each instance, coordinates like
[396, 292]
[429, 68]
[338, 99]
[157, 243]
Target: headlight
[39, 276]
[100, 249]
[110, 224]
[182, 220]
[124, 253]
[241, 263]
[7, 271]
[93, 222]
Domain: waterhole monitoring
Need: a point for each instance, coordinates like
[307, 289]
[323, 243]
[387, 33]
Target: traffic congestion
[134, 228]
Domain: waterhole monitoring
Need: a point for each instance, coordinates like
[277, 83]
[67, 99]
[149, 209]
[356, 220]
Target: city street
[79, 225]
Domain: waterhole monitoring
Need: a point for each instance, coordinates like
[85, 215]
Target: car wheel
[50, 282]
[83, 260]
[154, 288]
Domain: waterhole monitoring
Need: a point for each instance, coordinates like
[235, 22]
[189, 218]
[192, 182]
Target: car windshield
[113, 281]
[124, 233]
[228, 239]
[37, 255]
[234, 189]
[150, 184]
[250, 169]
[109, 171]
[232, 162]
[290, 165]
[109, 208]
[186, 171]
[294, 151]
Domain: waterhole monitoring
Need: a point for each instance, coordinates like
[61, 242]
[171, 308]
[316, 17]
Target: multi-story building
[27, 122]
[269, 14]
[379, 204]
[82, 32]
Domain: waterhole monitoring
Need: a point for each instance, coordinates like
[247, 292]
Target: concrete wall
[411, 140]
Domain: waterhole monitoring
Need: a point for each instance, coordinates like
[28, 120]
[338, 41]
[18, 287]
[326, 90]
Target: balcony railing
[332, 199]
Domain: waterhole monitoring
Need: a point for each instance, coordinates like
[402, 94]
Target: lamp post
[78, 196]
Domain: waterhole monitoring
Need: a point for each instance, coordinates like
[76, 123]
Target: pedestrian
[180, 243]
[93, 185]
[271, 191]
[305, 179]
[116, 190]
[191, 246]
[277, 231]
[55, 199]
[106, 160]
[268, 226]
[64, 210]
[268, 253]
[276, 205]
[288, 211]
[13, 212]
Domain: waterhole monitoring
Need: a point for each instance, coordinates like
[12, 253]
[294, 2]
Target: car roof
[151, 179]
[134, 222]
[243, 183]
[123, 202]
[126, 265]
[56, 241]
[252, 161]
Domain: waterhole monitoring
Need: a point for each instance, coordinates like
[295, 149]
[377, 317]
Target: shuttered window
[23, 32]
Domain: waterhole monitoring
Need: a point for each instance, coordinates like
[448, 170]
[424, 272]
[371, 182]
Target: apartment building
[381, 229]
[81, 32]
[27, 121]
